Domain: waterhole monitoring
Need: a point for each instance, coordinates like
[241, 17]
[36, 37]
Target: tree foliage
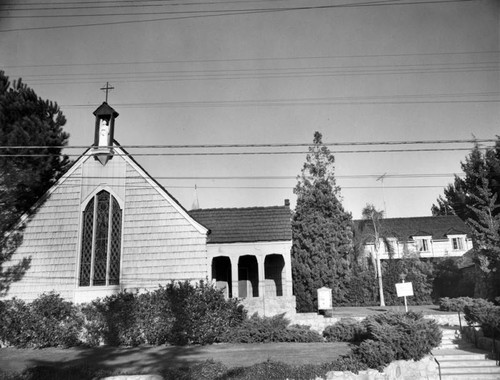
[26, 173]
[475, 199]
[321, 230]
[478, 168]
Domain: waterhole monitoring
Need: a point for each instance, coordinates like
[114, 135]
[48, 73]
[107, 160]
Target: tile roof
[240, 225]
[438, 227]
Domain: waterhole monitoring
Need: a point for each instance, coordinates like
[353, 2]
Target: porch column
[234, 276]
[261, 271]
[287, 276]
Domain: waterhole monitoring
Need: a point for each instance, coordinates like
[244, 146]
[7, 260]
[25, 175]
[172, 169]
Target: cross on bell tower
[104, 130]
[107, 88]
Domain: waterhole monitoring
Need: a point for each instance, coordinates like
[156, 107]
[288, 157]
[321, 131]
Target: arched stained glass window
[101, 241]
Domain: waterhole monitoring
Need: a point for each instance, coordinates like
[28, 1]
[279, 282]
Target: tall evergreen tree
[475, 199]
[26, 173]
[459, 195]
[322, 231]
[485, 226]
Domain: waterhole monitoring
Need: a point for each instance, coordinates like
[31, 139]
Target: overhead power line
[247, 11]
[180, 154]
[277, 177]
[231, 60]
[264, 145]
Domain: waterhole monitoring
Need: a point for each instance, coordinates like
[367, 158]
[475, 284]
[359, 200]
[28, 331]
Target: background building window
[457, 243]
[422, 245]
[101, 241]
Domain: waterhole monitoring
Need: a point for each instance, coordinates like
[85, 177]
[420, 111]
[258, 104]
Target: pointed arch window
[101, 241]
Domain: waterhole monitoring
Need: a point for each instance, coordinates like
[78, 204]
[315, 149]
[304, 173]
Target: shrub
[15, 319]
[347, 363]
[345, 330]
[48, 321]
[375, 354]
[154, 317]
[457, 304]
[94, 323]
[485, 314]
[207, 370]
[112, 320]
[202, 314]
[258, 329]
[178, 314]
[57, 322]
[409, 335]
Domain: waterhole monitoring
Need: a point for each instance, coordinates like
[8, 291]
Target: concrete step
[469, 376]
[485, 368]
[465, 363]
[457, 354]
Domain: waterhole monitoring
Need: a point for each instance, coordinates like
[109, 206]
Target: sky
[398, 89]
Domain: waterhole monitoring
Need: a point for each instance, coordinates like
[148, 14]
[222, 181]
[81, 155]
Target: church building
[107, 226]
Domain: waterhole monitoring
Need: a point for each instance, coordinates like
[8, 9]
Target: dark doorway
[221, 273]
[248, 277]
[273, 273]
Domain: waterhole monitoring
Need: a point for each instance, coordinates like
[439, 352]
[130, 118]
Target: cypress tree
[322, 231]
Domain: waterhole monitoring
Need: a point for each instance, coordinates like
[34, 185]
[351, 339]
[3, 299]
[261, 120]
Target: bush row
[176, 314]
[384, 338]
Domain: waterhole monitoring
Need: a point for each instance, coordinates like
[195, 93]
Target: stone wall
[320, 322]
[425, 369]
[269, 306]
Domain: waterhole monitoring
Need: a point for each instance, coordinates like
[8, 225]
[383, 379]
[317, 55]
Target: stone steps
[460, 360]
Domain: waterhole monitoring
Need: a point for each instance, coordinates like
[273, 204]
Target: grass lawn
[155, 359]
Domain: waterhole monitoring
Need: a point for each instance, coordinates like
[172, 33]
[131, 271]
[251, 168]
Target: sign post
[404, 289]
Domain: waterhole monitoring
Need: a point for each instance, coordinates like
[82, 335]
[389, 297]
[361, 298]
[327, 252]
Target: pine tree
[475, 199]
[459, 195]
[485, 226]
[321, 231]
[26, 173]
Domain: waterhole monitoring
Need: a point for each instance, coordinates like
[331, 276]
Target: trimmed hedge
[345, 330]
[409, 335]
[277, 328]
[459, 304]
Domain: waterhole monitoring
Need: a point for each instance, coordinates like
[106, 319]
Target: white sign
[404, 289]
[324, 298]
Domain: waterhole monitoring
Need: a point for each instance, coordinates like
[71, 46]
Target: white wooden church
[108, 226]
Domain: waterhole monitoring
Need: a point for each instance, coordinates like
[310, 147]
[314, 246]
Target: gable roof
[245, 225]
[119, 152]
[438, 227]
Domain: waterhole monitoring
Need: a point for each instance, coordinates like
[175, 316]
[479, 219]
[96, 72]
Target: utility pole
[381, 179]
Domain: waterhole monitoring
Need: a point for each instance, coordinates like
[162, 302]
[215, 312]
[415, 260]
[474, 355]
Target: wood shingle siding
[159, 244]
[50, 240]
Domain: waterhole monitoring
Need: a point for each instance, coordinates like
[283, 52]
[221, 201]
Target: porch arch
[221, 273]
[248, 276]
[273, 274]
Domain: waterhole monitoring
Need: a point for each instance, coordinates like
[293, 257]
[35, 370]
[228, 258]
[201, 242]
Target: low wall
[319, 322]
[425, 369]
[269, 306]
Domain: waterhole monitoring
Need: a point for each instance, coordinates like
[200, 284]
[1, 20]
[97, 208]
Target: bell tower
[104, 132]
